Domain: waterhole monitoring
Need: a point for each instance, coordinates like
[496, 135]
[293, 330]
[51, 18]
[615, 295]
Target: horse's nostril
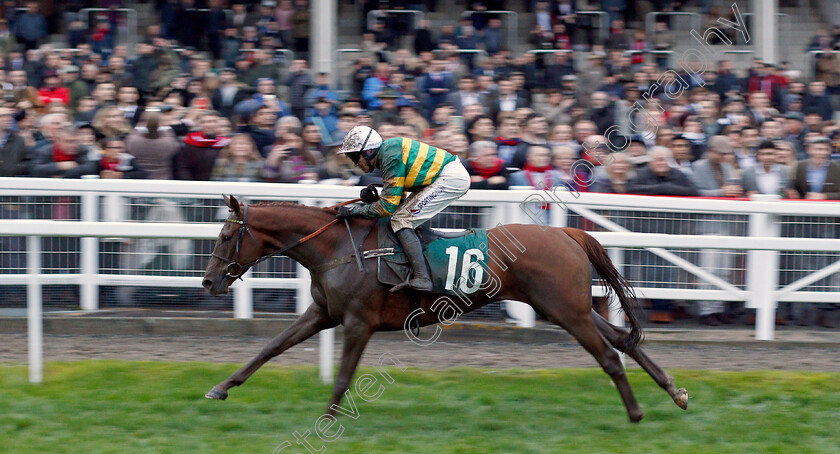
[207, 284]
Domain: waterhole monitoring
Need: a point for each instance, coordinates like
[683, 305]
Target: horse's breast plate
[457, 263]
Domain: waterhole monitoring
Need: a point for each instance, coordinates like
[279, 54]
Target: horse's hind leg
[574, 317]
[313, 320]
[618, 337]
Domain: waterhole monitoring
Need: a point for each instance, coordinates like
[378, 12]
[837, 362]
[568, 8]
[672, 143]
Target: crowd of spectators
[212, 95]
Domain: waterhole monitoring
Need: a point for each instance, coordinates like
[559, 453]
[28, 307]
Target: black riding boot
[420, 279]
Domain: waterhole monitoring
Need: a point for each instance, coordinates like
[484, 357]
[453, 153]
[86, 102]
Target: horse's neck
[288, 224]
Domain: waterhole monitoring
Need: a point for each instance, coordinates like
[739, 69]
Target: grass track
[155, 407]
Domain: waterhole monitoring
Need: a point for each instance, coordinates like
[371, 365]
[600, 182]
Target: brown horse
[548, 269]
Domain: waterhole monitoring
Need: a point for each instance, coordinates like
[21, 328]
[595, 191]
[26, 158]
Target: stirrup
[407, 283]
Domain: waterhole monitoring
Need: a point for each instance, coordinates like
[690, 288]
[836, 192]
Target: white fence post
[762, 269]
[326, 338]
[523, 313]
[616, 313]
[89, 255]
[34, 320]
[326, 345]
[243, 297]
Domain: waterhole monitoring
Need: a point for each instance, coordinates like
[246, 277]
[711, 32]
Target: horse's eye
[225, 238]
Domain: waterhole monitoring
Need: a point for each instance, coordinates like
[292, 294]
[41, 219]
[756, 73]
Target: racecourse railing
[118, 243]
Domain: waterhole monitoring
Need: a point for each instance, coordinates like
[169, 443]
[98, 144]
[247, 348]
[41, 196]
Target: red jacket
[47, 95]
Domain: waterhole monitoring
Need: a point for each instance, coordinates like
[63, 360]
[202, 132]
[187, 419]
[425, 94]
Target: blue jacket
[31, 27]
[370, 90]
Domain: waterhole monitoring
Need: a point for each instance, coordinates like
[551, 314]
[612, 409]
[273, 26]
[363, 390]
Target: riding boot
[420, 279]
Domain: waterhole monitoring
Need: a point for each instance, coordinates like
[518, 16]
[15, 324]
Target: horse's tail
[611, 279]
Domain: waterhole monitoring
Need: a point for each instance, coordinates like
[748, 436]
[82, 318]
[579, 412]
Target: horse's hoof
[682, 398]
[216, 394]
[636, 417]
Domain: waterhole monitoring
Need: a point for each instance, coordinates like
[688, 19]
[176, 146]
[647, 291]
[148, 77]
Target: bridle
[236, 269]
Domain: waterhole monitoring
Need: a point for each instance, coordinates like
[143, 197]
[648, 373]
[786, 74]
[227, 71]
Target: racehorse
[552, 274]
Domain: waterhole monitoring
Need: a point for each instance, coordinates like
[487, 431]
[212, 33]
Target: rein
[236, 270]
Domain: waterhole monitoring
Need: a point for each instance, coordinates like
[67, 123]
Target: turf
[156, 407]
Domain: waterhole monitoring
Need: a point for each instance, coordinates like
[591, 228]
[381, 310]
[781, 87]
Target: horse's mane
[293, 205]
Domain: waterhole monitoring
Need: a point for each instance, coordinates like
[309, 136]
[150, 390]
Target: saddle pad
[452, 261]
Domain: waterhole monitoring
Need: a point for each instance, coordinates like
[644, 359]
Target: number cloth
[449, 260]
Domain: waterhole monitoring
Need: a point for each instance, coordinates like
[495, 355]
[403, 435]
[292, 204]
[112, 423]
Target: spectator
[493, 36]
[301, 23]
[60, 157]
[127, 97]
[13, 150]
[459, 146]
[817, 101]
[717, 178]
[145, 65]
[52, 91]
[618, 173]
[437, 84]
[324, 117]
[659, 178]
[388, 111]
[681, 148]
[110, 122]
[76, 88]
[115, 163]
[201, 148]
[260, 128]
[410, 115]
[816, 178]
[154, 147]
[312, 143]
[288, 162]
[557, 109]
[767, 177]
[338, 169]
[481, 128]
[424, 41]
[537, 171]
[31, 26]
[229, 93]
[466, 95]
[536, 129]
[712, 176]
[486, 169]
[512, 149]
[563, 160]
[561, 134]
[240, 160]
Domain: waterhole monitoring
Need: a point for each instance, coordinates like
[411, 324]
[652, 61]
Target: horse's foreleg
[310, 322]
[356, 337]
[617, 337]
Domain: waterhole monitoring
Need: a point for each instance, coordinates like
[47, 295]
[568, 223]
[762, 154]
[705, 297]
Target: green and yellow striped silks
[406, 164]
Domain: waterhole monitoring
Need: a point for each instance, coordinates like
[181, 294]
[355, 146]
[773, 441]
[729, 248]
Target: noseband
[234, 268]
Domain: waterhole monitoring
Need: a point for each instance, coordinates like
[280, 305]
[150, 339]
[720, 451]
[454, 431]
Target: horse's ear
[233, 204]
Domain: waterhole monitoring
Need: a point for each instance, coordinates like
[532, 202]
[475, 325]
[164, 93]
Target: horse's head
[236, 250]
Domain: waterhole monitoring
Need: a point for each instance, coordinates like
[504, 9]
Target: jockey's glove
[344, 213]
[369, 194]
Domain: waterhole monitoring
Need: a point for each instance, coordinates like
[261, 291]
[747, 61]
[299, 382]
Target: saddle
[444, 251]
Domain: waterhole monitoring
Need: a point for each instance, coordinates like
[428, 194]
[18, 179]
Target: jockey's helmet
[362, 139]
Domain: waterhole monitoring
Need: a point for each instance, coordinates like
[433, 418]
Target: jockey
[434, 176]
